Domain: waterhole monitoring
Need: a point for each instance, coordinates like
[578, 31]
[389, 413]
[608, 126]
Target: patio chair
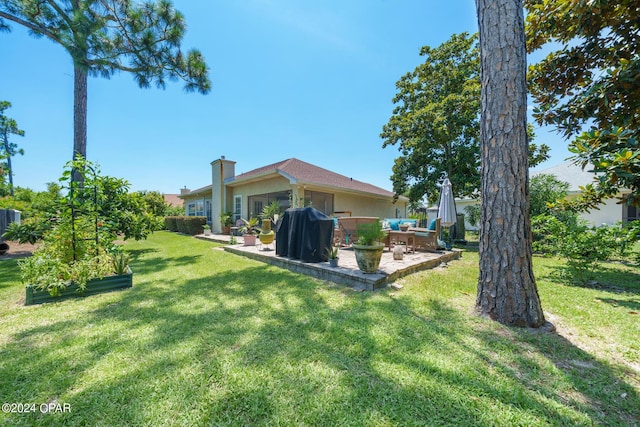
[427, 239]
[348, 228]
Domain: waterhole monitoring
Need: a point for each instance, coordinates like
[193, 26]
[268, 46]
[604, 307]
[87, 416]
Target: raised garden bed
[94, 286]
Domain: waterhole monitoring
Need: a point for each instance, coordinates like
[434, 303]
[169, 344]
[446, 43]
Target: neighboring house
[290, 182]
[610, 212]
[173, 199]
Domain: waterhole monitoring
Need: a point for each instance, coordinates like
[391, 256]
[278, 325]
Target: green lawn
[210, 338]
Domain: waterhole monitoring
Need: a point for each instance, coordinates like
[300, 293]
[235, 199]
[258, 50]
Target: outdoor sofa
[427, 238]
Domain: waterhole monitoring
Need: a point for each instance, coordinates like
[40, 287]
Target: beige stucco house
[609, 212]
[291, 183]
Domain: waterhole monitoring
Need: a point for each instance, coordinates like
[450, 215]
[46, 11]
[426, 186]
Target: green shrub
[194, 224]
[30, 230]
[473, 214]
[583, 246]
[191, 225]
[180, 224]
[170, 222]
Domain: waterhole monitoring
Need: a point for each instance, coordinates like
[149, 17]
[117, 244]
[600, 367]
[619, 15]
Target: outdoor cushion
[394, 223]
[423, 233]
[432, 225]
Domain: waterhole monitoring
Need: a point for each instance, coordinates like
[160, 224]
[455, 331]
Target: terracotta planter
[249, 239]
[368, 257]
[94, 286]
[226, 229]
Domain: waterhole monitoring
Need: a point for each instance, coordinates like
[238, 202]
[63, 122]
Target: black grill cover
[305, 234]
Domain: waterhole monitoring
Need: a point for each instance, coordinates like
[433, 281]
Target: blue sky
[306, 79]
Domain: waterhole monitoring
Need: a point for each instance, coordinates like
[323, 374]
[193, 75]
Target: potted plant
[332, 254]
[269, 216]
[249, 230]
[226, 220]
[369, 247]
[206, 229]
[271, 212]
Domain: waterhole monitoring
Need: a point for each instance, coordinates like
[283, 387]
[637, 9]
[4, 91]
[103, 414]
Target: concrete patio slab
[347, 273]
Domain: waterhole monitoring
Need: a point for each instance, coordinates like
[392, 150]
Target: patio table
[406, 237]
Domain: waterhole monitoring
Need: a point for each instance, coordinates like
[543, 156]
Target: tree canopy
[8, 126]
[436, 123]
[106, 36]
[589, 89]
[545, 189]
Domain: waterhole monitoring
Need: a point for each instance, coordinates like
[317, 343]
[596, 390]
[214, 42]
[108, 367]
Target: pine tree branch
[32, 27]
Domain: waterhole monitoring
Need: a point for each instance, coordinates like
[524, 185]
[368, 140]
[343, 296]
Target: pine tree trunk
[5, 140]
[507, 289]
[79, 116]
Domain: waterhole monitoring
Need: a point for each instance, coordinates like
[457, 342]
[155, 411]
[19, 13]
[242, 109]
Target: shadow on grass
[631, 305]
[604, 278]
[9, 273]
[142, 263]
[260, 345]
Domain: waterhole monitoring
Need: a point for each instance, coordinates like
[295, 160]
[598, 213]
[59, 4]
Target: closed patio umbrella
[447, 207]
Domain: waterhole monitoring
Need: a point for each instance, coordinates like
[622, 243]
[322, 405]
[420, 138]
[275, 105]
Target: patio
[347, 273]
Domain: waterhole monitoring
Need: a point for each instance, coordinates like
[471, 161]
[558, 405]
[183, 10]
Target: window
[259, 201]
[237, 208]
[191, 209]
[257, 208]
[318, 200]
[208, 210]
[200, 208]
[629, 213]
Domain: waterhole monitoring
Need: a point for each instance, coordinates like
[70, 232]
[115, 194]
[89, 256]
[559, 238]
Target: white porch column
[221, 169]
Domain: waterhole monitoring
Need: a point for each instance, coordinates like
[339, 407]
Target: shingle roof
[206, 188]
[306, 173]
[173, 200]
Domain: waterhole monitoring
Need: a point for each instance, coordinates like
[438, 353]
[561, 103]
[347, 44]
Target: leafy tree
[8, 127]
[545, 189]
[105, 36]
[589, 89]
[435, 124]
[121, 213]
[155, 203]
[507, 289]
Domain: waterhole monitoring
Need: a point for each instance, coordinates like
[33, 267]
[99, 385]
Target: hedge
[170, 223]
[191, 225]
